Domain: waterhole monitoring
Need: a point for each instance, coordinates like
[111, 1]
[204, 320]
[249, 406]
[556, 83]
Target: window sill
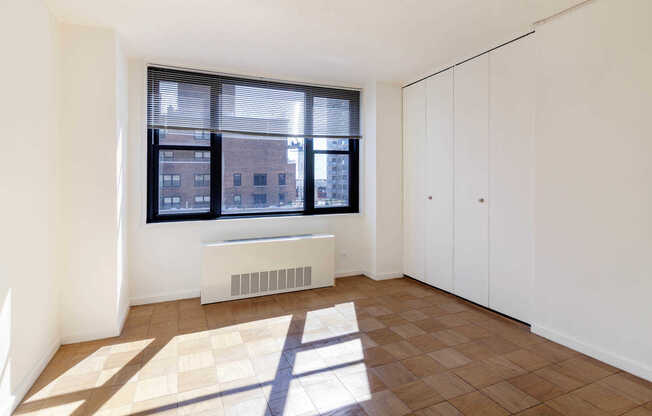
[256, 218]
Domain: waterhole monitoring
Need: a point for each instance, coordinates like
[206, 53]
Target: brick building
[257, 174]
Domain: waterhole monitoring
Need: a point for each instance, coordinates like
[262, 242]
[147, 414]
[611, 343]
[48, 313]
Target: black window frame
[239, 181]
[284, 181]
[215, 183]
[214, 146]
[353, 155]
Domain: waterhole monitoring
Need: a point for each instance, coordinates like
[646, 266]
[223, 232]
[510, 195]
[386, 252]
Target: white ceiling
[344, 42]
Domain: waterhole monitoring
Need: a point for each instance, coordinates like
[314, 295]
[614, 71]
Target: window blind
[184, 100]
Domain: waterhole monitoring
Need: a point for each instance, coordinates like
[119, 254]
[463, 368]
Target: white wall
[164, 257]
[92, 133]
[368, 174]
[382, 173]
[29, 318]
[593, 220]
[389, 184]
[122, 129]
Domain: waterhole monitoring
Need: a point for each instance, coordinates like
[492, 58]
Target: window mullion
[309, 178]
[354, 174]
[309, 165]
[216, 175]
[153, 175]
[216, 151]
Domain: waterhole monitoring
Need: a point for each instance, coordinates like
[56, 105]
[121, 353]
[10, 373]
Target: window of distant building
[260, 199]
[260, 179]
[171, 202]
[202, 179]
[216, 129]
[168, 181]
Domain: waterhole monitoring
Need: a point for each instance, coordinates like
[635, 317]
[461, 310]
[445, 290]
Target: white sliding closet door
[414, 138]
[471, 259]
[512, 100]
[439, 181]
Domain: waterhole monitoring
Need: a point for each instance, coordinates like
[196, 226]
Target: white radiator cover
[238, 269]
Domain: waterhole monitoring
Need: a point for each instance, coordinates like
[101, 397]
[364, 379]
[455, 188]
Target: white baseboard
[122, 319]
[385, 276]
[186, 294]
[88, 336]
[165, 297]
[377, 276]
[30, 378]
[616, 360]
[349, 273]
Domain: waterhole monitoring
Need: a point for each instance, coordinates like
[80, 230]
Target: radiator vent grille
[271, 280]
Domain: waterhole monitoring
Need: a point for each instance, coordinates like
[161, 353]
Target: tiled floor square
[384, 403]
[423, 366]
[476, 404]
[510, 397]
[394, 374]
[417, 395]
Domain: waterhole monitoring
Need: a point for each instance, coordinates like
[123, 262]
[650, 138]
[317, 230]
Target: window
[334, 189]
[169, 181]
[206, 131]
[202, 179]
[170, 203]
[260, 179]
[260, 200]
[252, 153]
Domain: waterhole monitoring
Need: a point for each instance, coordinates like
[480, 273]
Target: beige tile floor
[363, 347]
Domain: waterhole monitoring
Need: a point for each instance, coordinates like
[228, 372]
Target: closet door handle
[429, 197]
[481, 200]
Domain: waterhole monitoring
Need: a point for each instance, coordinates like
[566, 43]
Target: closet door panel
[511, 108]
[471, 180]
[439, 182]
[414, 137]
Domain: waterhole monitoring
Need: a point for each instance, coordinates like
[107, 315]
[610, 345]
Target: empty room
[326, 207]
